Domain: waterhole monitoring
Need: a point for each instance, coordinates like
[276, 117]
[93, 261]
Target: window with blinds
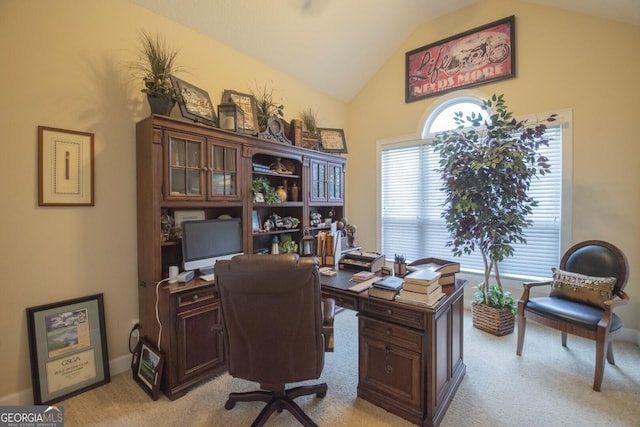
[411, 203]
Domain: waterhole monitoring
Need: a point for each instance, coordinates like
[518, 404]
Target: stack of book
[386, 288]
[447, 269]
[362, 276]
[422, 288]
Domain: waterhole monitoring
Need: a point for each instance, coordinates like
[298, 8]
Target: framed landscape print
[147, 366]
[472, 58]
[68, 348]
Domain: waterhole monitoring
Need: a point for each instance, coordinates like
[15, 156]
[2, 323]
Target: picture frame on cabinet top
[194, 102]
[249, 107]
[332, 140]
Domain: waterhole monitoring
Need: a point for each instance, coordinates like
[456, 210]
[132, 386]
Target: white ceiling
[314, 40]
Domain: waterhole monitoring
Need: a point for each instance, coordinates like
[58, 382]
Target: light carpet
[547, 386]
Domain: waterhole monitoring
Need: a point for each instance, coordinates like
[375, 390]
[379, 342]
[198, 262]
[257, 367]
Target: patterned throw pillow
[580, 288]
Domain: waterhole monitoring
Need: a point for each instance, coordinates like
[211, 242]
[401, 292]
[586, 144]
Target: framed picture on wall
[67, 347]
[65, 167]
[475, 57]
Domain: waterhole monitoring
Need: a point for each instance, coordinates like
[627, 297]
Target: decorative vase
[496, 321]
[294, 192]
[160, 104]
[282, 193]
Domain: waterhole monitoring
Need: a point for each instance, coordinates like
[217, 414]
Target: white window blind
[411, 204]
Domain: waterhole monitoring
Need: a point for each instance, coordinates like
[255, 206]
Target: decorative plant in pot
[263, 191]
[266, 106]
[486, 167]
[157, 63]
[309, 120]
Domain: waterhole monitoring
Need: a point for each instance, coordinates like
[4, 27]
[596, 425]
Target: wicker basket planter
[496, 321]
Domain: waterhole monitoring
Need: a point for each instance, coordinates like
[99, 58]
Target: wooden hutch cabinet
[188, 167]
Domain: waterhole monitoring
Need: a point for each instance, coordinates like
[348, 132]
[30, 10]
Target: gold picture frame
[65, 167]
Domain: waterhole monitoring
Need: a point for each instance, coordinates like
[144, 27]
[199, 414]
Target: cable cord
[157, 314]
[135, 330]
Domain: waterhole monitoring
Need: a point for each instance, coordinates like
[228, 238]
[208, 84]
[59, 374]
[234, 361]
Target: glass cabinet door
[318, 181]
[335, 184]
[185, 177]
[224, 163]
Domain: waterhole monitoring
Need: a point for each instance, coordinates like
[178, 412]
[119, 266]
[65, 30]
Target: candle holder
[230, 116]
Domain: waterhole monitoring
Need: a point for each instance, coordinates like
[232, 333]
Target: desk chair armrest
[328, 314]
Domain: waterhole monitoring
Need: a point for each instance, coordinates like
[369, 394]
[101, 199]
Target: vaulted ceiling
[338, 44]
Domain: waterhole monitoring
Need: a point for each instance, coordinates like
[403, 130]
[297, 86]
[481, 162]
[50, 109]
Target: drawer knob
[195, 297]
[389, 332]
[389, 311]
[388, 369]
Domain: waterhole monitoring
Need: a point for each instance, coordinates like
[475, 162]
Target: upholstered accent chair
[583, 293]
[276, 329]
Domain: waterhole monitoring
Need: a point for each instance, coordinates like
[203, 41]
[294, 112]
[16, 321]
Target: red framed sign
[475, 57]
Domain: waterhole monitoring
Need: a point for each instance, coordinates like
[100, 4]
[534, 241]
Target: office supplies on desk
[359, 261]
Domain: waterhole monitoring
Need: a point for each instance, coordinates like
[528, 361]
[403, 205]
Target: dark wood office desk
[410, 358]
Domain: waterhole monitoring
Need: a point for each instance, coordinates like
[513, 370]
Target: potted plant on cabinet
[486, 167]
[309, 120]
[263, 191]
[156, 65]
[266, 106]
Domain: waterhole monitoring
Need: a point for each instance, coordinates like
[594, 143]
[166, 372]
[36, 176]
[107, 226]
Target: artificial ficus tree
[486, 165]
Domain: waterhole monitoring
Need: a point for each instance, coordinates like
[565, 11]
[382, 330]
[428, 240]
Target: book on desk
[447, 269]
[386, 287]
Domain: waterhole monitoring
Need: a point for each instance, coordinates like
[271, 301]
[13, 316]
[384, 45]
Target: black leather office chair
[581, 304]
[276, 328]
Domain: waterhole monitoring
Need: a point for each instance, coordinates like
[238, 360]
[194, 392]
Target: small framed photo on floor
[146, 364]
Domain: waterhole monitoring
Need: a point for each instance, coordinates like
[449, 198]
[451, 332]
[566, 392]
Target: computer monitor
[206, 241]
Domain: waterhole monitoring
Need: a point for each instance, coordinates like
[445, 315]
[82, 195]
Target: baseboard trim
[25, 397]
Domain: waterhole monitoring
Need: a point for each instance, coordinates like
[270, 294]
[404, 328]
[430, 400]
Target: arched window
[411, 200]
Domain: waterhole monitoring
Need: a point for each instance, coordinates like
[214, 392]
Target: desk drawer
[390, 366]
[390, 333]
[195, 297]
[402, 314]
[342, 300]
